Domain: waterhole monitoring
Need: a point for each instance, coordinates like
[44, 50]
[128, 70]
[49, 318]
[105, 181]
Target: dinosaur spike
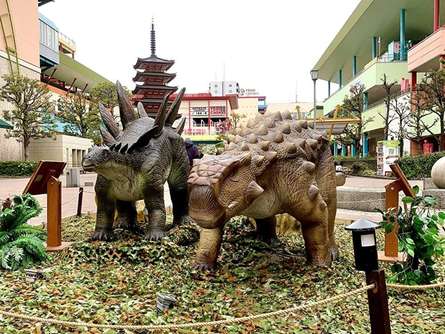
[258, 159]
[244, 147]
[286, 115]
[312, 143]
[286, 128]
[141, 110]
[312, 192]
[251, 123]
[252, 138]
[174, 108]
[108, 120]
[232, 146]
[124, 148]
[278, 138]
[161, 115]
[265, 145]
[253, 190]
[297, 127]
[270, 156]
[308, 166]
[238, 139]
[277, 116]
[303, 124]
[270, 123]
[291, 148]
[106, 136]
[180, 126]
[117, 147]
[125, 107]
[262, 130]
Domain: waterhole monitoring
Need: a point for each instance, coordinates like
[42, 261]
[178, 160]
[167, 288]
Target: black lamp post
[314, 77]
[365, 244]
[365, 253]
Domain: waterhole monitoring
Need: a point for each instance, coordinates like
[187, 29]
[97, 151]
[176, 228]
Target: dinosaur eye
[235, 177]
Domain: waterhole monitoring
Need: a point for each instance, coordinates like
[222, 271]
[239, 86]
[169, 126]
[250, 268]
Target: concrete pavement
[11, 186]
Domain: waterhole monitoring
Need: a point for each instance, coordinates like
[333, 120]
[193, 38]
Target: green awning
[5, 125]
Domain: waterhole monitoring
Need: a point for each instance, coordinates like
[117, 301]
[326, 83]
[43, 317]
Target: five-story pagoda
[151, 79]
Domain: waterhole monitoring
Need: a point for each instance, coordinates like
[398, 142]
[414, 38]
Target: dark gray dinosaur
[135, 163]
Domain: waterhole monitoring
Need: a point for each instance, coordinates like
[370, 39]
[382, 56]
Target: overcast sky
[262, 44]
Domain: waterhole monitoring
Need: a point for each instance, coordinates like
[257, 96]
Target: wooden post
[54, 213]
[79, 202]
[378, 303]
[392, 189]
[392, 202]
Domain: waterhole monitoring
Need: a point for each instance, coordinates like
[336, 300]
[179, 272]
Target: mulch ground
[117, 283]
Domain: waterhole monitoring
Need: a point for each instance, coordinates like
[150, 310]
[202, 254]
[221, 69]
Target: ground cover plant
[117, 283]
[21, 244]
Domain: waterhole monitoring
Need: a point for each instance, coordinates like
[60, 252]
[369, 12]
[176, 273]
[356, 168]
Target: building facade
[34, 46]
[206, 116]
[399, 39]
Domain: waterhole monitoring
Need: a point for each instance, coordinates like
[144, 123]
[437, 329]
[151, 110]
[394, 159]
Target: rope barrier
[191, 324]
[415, 287]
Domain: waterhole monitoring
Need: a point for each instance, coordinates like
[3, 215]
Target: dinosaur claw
[204, 266]
[103, 236]
[155, 235]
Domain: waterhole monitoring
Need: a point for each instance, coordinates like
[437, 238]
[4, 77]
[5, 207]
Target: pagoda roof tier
[146, 76]
[153, 63]
[143, 89]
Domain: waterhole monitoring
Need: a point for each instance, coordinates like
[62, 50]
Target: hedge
[419, 166]
[17, 168]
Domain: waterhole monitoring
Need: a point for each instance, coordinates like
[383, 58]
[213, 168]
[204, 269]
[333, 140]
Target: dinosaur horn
[108, 119]
[141, 110]
[173, 112]
[106, 136]
[180, 126]
[162, 113]
[125, 107]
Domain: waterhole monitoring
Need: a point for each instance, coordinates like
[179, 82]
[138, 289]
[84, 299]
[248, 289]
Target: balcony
[425, 56]
[372, 119]
[370, 76]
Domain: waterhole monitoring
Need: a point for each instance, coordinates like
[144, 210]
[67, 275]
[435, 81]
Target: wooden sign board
[37, 185]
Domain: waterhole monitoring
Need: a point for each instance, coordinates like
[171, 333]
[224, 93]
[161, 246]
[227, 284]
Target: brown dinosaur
[272, 165]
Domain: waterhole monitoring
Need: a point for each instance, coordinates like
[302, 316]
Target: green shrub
[418, 167]
[420, 227]
[361, 168]
[20, 244]
[17, 168]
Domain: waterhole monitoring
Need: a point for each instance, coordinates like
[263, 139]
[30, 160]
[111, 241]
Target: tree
[80, 118]
[430, 98]
[400, 112]
[105, 93]
[353, 108]
[32, 108]
[388, 100]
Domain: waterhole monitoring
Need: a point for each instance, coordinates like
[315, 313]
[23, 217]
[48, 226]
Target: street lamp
[314, 76]
[365, 245]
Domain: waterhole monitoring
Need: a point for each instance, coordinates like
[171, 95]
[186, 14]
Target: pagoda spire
[153, 37]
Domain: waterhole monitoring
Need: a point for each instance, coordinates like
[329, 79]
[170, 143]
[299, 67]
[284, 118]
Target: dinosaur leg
[266, 229]
[154, 204]
[177, 182]
[316, 239]
[333, 248]
[208, 249]
[126, 216]
[104, 219]
[179, 196]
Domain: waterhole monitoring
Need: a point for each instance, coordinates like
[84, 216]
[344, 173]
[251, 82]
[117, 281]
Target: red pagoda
[151, 79]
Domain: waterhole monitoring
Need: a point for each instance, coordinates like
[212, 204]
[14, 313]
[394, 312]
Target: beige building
[302, 109]
[60, 147]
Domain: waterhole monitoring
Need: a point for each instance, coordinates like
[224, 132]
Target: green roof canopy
[5, 125]
[373, 18]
